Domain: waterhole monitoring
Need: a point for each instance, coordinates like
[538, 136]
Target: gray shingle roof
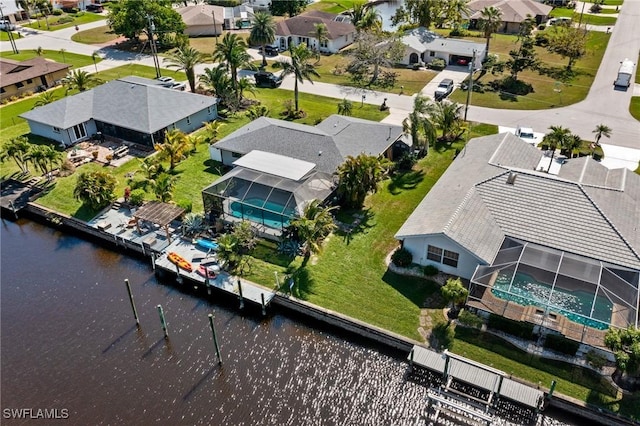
[132, 104]
[512, 11]
[422, 40]
[327, 144]
[473, 204]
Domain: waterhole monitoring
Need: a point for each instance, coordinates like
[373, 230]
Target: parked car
[179, 86]
[525, 133]
[6, 25]
[97, 8]
[444, 89]
[267, 79]
[166, 81]
[625, 72]
[269, 50]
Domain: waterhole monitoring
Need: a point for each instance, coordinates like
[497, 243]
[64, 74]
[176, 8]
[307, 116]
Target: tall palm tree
[39, 51]
[232, 51]
[173, 148]
[95, 55]
[490, 21]
[446, 115]
[557, 137]
[45, 157]
[600, 131]
[312, 227]
[571, 143]
[364, 17]
[45, 99]
[79, 79]
[212, 130]
[345, 107]
[149, 167]
[246, 84]
[457, 11]
[217, 81]
[358, 176]
[321, 34]
[163, 186]
[420, 126]
[300, 67]
[17, 149]
[185, 58]
[263, 32]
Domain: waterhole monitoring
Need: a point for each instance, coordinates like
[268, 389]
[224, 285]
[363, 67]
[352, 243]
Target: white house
[301, 29]
[422, 45]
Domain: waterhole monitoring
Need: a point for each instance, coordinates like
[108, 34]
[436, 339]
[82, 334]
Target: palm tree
[557, 137]
[44, 157]
[358, 176]
[149, 167]
[232, 51]
[321, 34]
[263, 32]
[62, 51]
[39, 51]
[212, 130]
[185, 58]
[364, 17]
[457, 11]
[257, 111]
[79, 79]
[446, 116]
[490, 21]
[300, 67]
[173, 148]
[454, 292]
[246, 84]
[95, 55]
[95, 189]
[163, 186]
[18, 150]
[312, 227]
[600, 131]
[217, 81]
[45, 99]
[345, 107]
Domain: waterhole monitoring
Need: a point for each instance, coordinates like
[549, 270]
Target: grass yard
[140, 71]
[74, 59]
[208, 44]
[545, 82]
[587, 18]
[607, 2]
[58, 22]
[333, 6]
[4, 36]
[99, 35]
[634, 107]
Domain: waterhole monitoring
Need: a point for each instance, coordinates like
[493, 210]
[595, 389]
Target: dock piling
[240, 294]
[178, 277]
[153, 261]
[411, 360]
[264, 307]
[215, 339]
[133, 305]
[162, 321]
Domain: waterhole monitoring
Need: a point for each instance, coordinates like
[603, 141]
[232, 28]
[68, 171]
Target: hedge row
[516, 328]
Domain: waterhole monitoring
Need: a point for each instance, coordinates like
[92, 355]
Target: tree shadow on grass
[405, 181]
[415, 289]
[353, 222]
[214, 167]
[303, 283]
[628, 405]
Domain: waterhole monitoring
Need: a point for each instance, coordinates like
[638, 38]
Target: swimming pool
[263, 214]
[575, 305]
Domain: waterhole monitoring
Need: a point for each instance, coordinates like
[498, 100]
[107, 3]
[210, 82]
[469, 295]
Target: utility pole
[152, 43]
[470, 88]
[215, 31]
[9, 33]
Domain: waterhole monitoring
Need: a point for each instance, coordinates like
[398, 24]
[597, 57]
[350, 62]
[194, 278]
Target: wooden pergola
[159, 213]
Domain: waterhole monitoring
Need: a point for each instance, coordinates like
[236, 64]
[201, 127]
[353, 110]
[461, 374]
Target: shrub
[402, 257]
[437, 64]
[56, 12]
[542, 39]
[470, 319]
[67, 168]
[406, 162]
[561, 344]
[457, 32]
[137, 197]
[65, 20]
[595, 8]
[431, 270]
[187, 205]
[516, 328]
[595, 360]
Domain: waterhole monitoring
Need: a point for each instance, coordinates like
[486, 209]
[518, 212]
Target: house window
[324, 43]
[29, 81]
[434, 253]
[19, 84]
[445, 257]
[450, 258]
[432, 54]
[209, 110]
[1, 89]
[56, 129]
[236, 155]
[79, 131]
[188, 119]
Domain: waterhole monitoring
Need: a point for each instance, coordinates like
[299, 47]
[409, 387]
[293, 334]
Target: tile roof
[12, 72]
[326, 145]
[587, 210]
[128, 103]
[303, 25]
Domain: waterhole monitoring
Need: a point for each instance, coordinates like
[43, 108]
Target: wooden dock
[15, 194]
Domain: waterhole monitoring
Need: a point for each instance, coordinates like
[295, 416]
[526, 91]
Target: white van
[6, 25]
[624, 74]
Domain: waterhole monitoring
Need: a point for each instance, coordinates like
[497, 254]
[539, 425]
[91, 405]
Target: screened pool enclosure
[262, 198]
[574, 295]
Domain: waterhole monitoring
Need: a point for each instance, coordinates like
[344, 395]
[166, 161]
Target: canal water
[69, 342]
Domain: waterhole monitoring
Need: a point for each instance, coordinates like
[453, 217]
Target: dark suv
[267, 79]
[269, 50]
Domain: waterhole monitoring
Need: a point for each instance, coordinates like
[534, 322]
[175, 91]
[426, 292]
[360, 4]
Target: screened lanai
[578, 296]
[268, 199]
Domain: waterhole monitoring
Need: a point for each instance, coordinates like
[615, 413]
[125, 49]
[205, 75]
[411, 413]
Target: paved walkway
[602, 105]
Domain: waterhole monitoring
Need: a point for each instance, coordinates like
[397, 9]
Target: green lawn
[9, 113]
[607, 2]
[54, 21]
[74, 59]
[97, 35]
[4, 36]
[634, 107]
[544, 82]
[333, 6]
[562, 12]
[140, 71]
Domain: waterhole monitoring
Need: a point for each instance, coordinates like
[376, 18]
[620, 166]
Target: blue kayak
[207, 244]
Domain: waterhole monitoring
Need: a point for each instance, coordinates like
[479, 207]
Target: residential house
[423, 46]
[560, 251]
[238, 17]
[33, 75]
[280, 166]
[12, 11]
[513, 13]
[202, 19]
[300, 29]
[132, 109]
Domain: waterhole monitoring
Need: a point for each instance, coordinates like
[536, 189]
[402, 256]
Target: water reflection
[69, 341]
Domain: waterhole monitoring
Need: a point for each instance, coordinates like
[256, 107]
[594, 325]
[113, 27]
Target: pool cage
[576, 296]
[266, 200]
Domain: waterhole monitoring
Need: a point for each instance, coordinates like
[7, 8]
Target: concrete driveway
[457, 74]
